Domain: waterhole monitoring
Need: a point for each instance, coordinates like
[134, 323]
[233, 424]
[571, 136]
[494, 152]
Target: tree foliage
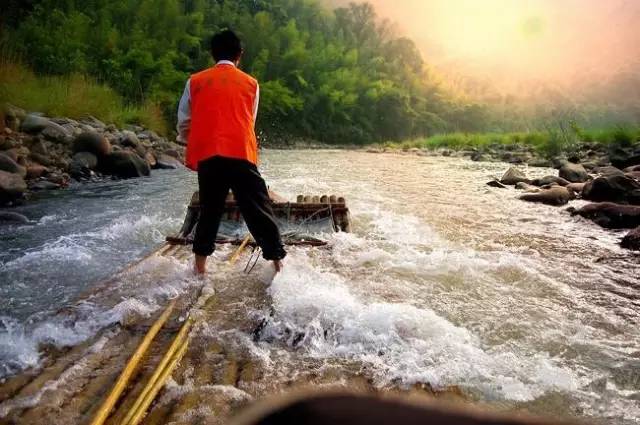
[339, 76]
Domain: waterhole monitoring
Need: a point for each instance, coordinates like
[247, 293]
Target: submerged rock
[9, 217]
[554, 196]
[513, 176]
[610, 215]
[574, 173]
[632, 240]
[618, 188]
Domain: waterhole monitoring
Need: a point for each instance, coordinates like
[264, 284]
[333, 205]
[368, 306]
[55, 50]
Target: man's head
[226, 45]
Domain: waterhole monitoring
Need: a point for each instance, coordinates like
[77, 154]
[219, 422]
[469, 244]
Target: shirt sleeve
[255, 105]
[184, 113]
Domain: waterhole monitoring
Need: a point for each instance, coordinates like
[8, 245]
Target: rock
[9, 165]
[85, 160]
[151, 159]
[34, 124]
[633, 169]
[540, 162]
[477, 156]
[37, 145]
[9, 217]
[632, 240]
[93, 142]
[527, 187]
[56, 133]
[164, 161]
[44, 185]
[61, 179]
[94, 122]
[174, 153]
[607, 170]
[12, 187]
[513, 176]
[576, 188]
[548, 180]
[36, 170]
[124, 164]
[623, 158]
[81, 165]
[496, 183]
[574, 173]
[40, 159]
[618, 188]
[555, 196]
[610, 215]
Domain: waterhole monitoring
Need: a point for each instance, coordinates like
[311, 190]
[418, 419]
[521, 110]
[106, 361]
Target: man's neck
[225, 62]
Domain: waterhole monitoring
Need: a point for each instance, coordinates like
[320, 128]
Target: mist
[583, 50]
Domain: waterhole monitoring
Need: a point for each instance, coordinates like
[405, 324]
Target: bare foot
[277, 264]
[200, 265]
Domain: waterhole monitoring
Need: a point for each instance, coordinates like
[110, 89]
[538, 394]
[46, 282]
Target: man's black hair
[226, 45]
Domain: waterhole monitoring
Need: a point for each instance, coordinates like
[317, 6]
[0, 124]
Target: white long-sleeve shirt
[184, 107]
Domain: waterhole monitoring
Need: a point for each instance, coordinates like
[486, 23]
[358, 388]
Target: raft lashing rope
[301, 223]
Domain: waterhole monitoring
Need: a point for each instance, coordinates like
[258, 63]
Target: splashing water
[443, 281]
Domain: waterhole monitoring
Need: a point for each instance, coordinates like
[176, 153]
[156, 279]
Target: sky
[509, 40]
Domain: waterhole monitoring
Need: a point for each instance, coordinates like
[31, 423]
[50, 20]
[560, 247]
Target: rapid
[443, 281]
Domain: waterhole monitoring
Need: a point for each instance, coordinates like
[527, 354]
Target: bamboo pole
[123, 379]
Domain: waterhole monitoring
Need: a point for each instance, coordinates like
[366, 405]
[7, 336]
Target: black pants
[215, 177]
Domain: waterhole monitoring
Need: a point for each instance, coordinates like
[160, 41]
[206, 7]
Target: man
[216, 117]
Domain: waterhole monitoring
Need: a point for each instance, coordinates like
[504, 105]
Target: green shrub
[74, 96]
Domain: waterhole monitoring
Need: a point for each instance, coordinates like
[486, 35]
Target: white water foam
[144, 289]
[400, 342]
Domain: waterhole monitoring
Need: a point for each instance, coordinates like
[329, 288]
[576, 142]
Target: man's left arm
[256, 102]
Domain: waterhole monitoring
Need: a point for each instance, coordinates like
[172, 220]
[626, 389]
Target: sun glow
[523, 39]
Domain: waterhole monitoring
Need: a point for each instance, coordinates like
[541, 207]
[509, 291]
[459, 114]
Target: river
[443, 280]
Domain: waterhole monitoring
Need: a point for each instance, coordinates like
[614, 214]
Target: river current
[443, 280]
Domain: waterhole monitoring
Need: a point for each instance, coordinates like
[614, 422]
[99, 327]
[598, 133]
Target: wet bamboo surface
[218, 376]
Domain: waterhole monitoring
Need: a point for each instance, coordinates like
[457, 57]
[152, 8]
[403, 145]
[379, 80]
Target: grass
[74, 96]
[551, 142]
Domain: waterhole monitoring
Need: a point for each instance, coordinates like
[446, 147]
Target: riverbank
[41, 153]
[607, 174]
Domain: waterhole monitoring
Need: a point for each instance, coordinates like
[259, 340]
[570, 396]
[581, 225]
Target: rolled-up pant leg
[213, 183]
[252, 195]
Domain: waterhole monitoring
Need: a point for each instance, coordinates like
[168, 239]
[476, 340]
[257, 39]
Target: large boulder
[8, 164]
[124, 164]
[549, 180]
[164, 161]
[555, 196]
[12, 187]
[513, 176]
[614, 188]
[632, 240]
[93, 142]
[610, 215]
[574, 173]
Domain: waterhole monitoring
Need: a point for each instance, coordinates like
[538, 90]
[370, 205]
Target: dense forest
[337, 76]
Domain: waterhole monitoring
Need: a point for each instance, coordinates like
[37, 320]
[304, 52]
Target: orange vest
[222, 122]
